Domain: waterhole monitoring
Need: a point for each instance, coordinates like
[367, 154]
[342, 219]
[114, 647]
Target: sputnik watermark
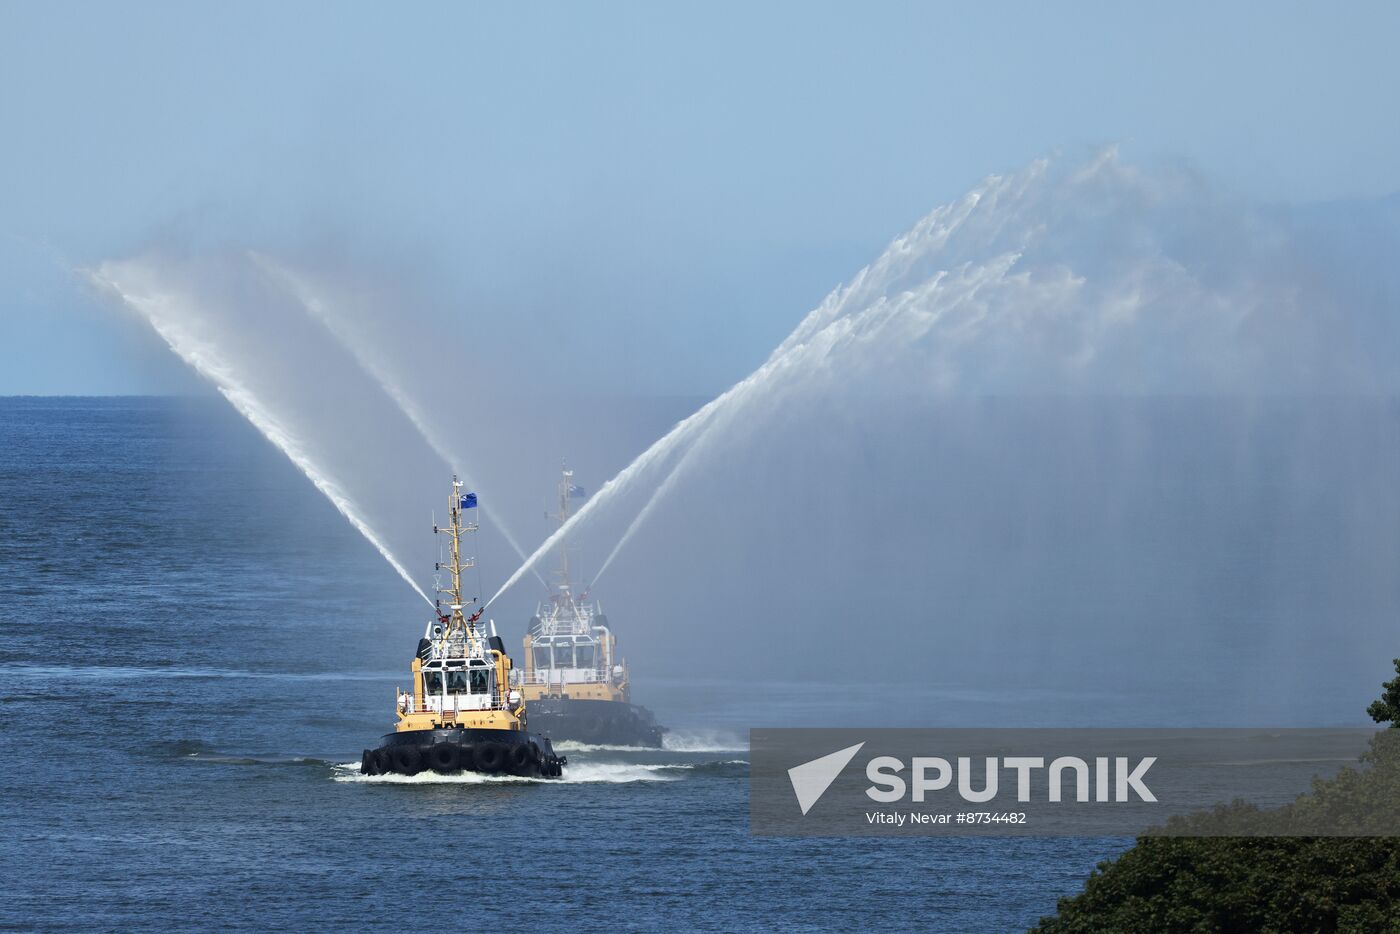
[810, 780]
[1036, 782]
[889, 785]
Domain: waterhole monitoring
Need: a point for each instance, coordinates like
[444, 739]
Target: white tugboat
[461, 714]
[574, 683]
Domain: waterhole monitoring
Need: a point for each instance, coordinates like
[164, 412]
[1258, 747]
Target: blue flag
[469, 501]
[576, 491]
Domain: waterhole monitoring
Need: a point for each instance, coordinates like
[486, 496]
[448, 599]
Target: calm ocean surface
[194, 649]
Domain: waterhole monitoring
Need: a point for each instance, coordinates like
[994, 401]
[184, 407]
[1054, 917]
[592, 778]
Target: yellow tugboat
[574, 684]
[462, 714]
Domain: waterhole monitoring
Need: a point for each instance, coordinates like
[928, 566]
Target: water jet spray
[159, 309]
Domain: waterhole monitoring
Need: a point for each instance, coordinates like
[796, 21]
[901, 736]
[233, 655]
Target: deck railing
[554, 676]
[451, 704]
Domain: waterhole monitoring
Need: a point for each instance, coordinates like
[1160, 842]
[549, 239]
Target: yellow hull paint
[474, 719]
[578, 691]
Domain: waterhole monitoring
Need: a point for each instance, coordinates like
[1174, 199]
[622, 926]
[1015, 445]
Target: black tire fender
[443, 758]
[489, 757]
[520, 757]
[407, 760]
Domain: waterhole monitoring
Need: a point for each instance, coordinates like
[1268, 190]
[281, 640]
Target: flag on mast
[469, 501]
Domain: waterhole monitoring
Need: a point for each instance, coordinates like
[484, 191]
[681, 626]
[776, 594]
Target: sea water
[194, 650]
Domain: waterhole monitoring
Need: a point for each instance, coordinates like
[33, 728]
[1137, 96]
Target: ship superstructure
[574, 683]
[461, 712]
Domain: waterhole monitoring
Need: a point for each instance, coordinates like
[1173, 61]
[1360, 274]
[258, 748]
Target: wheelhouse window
[459, 681]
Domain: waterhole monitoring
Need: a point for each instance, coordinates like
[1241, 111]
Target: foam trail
[371, 364]
[580, 773]
[159, 311]
[703, 741]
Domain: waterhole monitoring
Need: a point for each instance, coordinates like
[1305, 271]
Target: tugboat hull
[597, 722]
[452, 750]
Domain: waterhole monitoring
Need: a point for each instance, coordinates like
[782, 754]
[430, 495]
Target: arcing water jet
[139, 287]
[1063, 279]
[370, 360]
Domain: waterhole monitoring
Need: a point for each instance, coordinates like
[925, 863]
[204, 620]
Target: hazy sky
[657, 193]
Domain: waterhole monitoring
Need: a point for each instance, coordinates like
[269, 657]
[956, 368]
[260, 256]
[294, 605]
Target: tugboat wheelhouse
[461, 712]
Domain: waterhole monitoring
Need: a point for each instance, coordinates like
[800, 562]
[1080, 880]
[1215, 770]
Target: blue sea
[194, 650]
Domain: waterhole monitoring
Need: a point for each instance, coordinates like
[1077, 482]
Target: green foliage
[1386, 709]
[1209, 884]
[1178, 880]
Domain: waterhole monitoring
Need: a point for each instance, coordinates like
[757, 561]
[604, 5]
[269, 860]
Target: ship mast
[457, 622]
[566, 483]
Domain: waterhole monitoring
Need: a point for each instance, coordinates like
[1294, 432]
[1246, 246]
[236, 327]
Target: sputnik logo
[810, 780]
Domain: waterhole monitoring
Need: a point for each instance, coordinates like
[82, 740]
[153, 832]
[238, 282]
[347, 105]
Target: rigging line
[476, 561]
